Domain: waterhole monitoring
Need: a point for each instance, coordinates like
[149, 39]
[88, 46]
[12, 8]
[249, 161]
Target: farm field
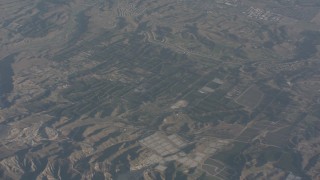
[170, 89]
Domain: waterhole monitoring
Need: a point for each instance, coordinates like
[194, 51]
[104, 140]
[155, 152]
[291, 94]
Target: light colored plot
[180, 104]
[162, 144]
[218, 81]
[206, 89]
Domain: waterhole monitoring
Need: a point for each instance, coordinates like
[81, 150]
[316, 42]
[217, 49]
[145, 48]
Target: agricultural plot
[125, 8]
[250, 98]
[100, 97]
[236, 91]
[227, 173]
[214, 163]
[225, 131]
[214, 107]
[216, 169]
[163, 145]
[262, 14]
[278, 104]
[278, 137]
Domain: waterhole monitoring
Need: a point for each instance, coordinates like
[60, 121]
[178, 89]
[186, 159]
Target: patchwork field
[170, 89]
